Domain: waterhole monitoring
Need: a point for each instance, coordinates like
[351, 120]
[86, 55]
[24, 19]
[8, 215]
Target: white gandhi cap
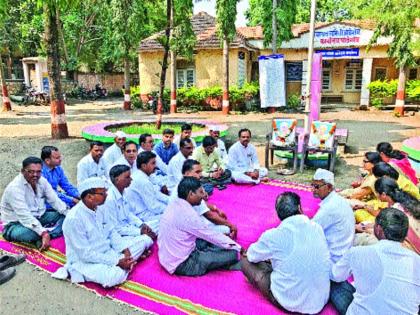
[325, 175]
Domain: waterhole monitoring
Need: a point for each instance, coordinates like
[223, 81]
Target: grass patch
[137, 129]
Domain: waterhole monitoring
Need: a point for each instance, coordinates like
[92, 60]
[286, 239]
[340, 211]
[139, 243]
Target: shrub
[413, 89]
[382, 89]
[293, 101]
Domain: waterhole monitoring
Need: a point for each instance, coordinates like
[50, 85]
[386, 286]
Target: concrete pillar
[366, 78]
[26, 73]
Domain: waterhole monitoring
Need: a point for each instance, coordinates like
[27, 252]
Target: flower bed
[104, 132]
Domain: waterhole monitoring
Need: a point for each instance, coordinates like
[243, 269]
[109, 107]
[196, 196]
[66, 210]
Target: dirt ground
[25, 130]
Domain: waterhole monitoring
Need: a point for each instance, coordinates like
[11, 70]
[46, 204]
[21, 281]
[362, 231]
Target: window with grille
[353, 80]
[326, 79]
[380, 74]
[185, 78]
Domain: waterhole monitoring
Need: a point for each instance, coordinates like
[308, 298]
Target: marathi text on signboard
[337, 53]
[338, 36]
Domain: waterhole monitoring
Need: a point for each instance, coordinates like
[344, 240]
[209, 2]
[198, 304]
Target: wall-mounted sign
[337, 53]
[339, 34]
[294, 71]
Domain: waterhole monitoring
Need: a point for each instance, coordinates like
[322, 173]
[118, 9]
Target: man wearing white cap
[114, 152]
[94, 249]
[334, 215]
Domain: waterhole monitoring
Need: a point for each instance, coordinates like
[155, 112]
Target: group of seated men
[131, 195]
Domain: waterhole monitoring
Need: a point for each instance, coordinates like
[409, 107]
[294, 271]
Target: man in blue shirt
[54, 174]
[166, 149]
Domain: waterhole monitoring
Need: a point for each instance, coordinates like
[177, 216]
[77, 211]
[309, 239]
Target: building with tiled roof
[347, 66]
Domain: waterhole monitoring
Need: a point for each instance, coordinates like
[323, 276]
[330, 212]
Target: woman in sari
[389, 192]
[364, 189]
[398, 160]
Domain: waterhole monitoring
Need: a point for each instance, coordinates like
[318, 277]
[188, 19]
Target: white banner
[272, 81]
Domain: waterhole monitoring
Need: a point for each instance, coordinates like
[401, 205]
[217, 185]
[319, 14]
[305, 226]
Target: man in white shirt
[290, 264]
[386, 275]
[186, 149]
[187, 246]
[334, 215]
[128, 158]
[23, 210]
[221, 148]
[92, 165]
[146, 143]
[118, 211]
[114, 152]
[186, 132]
[149, 203]
[243, 161]
[160, 177]
[94, 249]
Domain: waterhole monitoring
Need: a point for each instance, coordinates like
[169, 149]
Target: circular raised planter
[104, 131]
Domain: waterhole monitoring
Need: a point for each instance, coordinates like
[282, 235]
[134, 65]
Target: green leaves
[261, 13]
[226, 16]
[396, 19]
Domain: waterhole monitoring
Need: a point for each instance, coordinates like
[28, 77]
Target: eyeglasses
[317, 186]
[130, 151]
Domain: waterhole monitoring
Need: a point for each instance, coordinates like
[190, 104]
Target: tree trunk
[127, 99]
[225, 107]
[164, 64]
[274, 28]
[400, 101]
[58, 117]
[173, 64]
[6, 101]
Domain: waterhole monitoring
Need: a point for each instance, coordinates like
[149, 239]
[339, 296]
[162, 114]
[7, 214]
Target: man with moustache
[23, 209]
[129, 157]
[243, 161]
[114, 152]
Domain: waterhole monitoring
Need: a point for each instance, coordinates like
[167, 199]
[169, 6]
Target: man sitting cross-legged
[92, 164]
[210, 214]
[187, 245]
[290, 264]
[117, 210]
[386, 275]
[54, 174]
[243, 161]
[334, 215]
[23, 209]
[213, 166]
[114, 152]
[94, 249]
[149, 203]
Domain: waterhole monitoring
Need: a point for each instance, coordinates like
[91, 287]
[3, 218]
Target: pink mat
[151, 288]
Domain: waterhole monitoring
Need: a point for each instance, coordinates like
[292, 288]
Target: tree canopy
[396, 19]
